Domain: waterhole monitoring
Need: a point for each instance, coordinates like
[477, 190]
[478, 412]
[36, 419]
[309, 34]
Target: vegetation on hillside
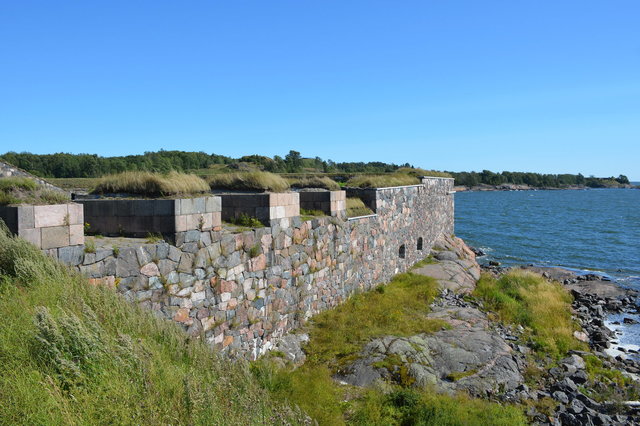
[73, 353]
[151, 184]
[249, 181]
[542, 307]
[22, 190]
[337, 336]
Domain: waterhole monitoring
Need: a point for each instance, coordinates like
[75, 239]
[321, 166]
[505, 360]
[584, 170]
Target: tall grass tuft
[249, 181]
[542, 307]
[20, 190]
[73, 353]
[151, 184]
[323, 182]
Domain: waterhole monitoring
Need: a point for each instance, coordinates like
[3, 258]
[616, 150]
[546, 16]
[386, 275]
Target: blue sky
[547, 86]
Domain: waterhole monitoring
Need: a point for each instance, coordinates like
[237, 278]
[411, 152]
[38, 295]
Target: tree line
[64, 165]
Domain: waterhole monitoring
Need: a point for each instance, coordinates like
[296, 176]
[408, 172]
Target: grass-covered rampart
[249, 181]
[73, 353]
[22, 190]
[150, 184]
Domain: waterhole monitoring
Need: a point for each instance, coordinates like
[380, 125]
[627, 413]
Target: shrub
[248, 221]
[356, 207]
[17, 190]
[249, 181]
[151, 184]
[315, 182]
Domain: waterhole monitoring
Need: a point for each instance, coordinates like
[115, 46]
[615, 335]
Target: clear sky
[546, 86]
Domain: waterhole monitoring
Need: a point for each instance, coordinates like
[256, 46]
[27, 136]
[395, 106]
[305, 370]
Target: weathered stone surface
[150, 270]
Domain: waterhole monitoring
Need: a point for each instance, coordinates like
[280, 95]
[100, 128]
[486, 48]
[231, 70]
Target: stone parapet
[46, 226]
[140, 217]
[332, 203]
[266, 207]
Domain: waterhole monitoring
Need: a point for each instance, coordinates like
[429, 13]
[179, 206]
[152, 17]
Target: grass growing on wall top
[151, 184]
[71, 353]
[323, 182]
[401, 177]
[528, 299]
[356, 207]
[249, 181]
[22, 190]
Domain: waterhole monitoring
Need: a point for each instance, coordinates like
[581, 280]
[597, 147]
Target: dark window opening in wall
[401, 252]
[420, 243]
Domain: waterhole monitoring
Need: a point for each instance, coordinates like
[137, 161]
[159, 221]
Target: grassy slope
[398, 308]
[71, 353]
[541, 306]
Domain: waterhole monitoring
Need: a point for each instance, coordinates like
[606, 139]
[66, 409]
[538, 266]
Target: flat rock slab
[594, 286]
[469, 356]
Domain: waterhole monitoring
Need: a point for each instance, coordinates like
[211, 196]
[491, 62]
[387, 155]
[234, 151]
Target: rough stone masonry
[243, 291]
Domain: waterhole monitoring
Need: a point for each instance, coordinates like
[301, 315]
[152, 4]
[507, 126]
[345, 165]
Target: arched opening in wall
[419, 243]
[401, 252]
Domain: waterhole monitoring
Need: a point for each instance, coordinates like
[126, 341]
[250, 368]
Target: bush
[249, 181]
[315, 182]
[528, 299]
[17, 190]
[151, 184]
[356, 207]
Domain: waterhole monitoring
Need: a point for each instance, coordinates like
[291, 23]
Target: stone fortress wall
[242, 291]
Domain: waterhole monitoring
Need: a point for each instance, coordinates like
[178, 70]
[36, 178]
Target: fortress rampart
[241, 291]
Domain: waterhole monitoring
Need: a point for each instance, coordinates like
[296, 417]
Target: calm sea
[595, 229]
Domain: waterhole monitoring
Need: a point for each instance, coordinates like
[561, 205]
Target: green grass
[356, 207]
[74, 183]
[150, 184]
[401, 177]
[247, 221]
[72, 353]
[399, 308]
[542, 307]
[249, 181]
[314, 182]
[19, 190]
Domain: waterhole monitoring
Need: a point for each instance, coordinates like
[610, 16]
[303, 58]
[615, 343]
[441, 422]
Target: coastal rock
[469, 357]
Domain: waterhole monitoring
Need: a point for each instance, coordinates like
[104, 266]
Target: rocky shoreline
[485, 358]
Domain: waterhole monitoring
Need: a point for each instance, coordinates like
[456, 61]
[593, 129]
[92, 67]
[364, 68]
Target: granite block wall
[46, 226]
[139, 217]
[241, 292]
[332, 203]
[265, 207]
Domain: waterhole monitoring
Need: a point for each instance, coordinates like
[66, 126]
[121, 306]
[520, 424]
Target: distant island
[74, 166]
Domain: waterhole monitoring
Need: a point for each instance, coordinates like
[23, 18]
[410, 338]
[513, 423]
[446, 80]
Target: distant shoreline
[514, 187]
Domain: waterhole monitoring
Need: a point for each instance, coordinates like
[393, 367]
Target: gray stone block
[72, 255]
[54, 237]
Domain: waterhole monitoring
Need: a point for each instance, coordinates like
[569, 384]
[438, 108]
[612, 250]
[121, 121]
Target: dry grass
[422, 172]
[151, 184]
[18, 190]
[314, 182]
[356, 207]
[542, 307]
[249, 181]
